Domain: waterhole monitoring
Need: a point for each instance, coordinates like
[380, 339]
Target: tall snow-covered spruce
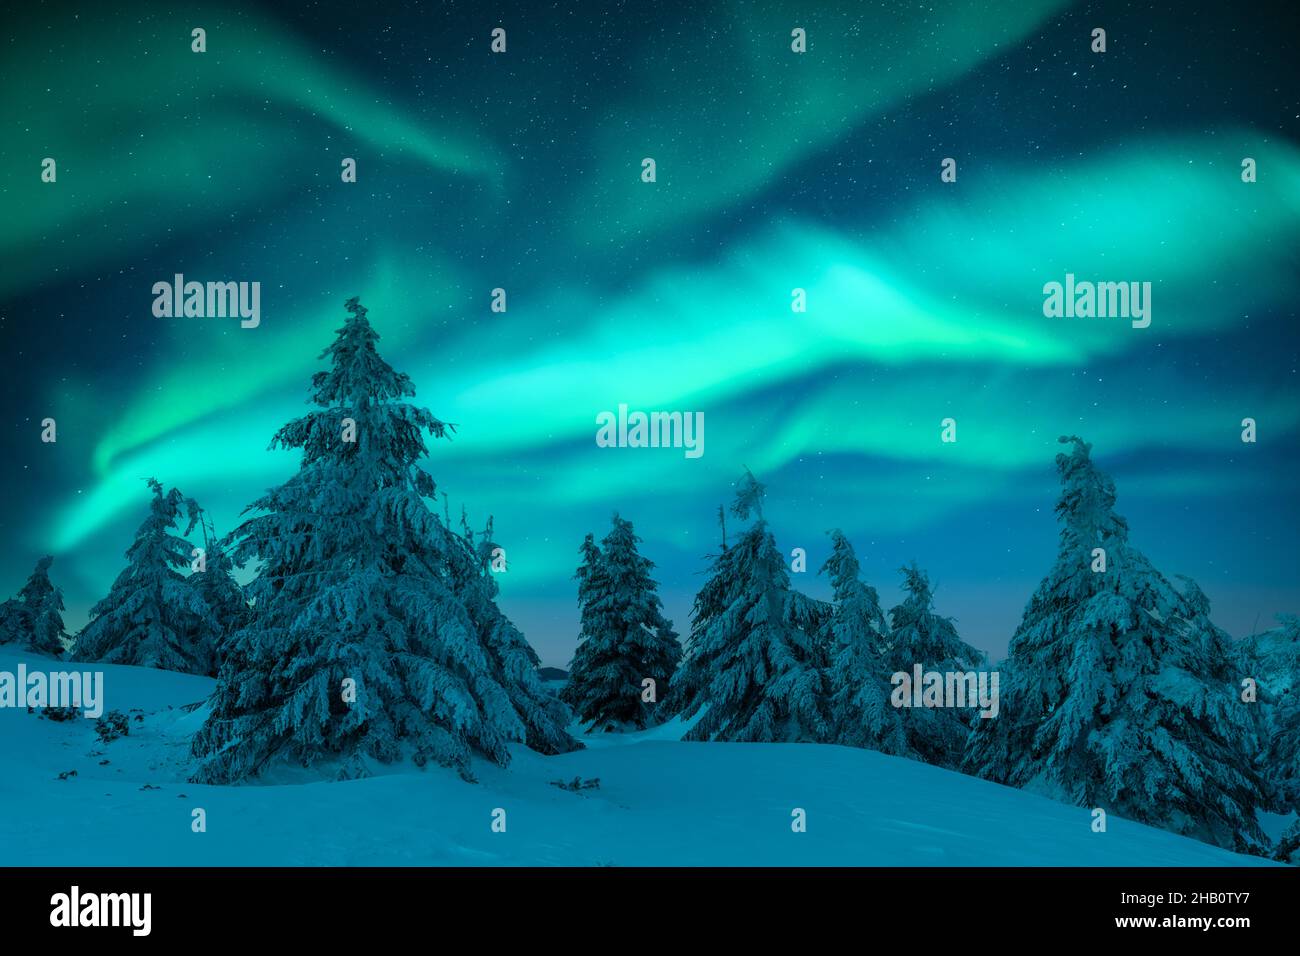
[1272, 660]
[1120, 694]
[152, 616]
[859, 711]
[214, 581]
[34, 618]
[919, 635]
[375, 633]
[749, 665]
[511, 660]
[625, 639]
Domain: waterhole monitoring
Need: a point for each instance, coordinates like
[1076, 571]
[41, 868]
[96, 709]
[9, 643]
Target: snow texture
[660, 802]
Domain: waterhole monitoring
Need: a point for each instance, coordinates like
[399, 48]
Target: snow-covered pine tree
[374, 633]
[1213, 645]
[45, 605]
[746, 665]
[227, 609]
[714, 597]
[512, 662]
[811, 616]
[859, 711]
[34, 618]
[918, 635]
[624, 636]
[1272, 660]
[152, 616]
[592, 581]
[1288, 847]
[593, 585]
[1113, 696]
[13, 621]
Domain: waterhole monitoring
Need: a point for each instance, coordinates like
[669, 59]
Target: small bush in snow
[112, 725]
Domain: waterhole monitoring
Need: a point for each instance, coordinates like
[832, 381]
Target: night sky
[775, 170]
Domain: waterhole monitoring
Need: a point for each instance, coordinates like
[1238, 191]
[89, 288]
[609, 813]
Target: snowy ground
[660, 802]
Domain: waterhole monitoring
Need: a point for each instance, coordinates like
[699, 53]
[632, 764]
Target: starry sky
[775, 171]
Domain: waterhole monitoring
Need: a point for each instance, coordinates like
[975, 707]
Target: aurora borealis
[775, 171]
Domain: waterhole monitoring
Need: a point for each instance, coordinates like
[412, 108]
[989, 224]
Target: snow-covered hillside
[660, 802]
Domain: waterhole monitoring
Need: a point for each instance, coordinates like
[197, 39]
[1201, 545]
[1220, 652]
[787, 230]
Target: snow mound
[659, 801]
